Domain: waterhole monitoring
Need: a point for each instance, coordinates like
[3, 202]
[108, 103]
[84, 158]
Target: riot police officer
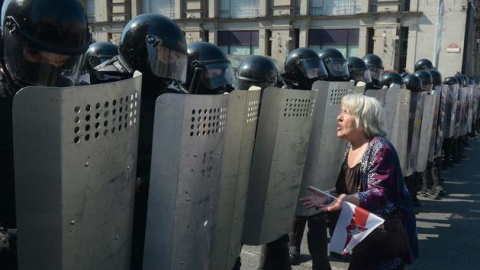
[335, 63]
[96, 54]
[375, 65]
[209, 71]
[431, 185]
[261, 71]
[389, 78]
[358, 70]
[425, 78]
[41, 46]
[449, 141]
[302, 68]
[414, 84]
[154, 45]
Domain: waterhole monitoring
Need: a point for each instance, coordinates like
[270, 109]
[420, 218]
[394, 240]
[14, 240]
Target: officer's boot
[296, 239]
[276, 255]
[317, 241]
[426, 179]
[455, 152]
[447, 151]
[437, 187]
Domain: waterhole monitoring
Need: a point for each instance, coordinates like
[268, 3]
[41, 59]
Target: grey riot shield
[398, 134]
[280, 151]
[451, 110]
[469, 111]
[441, 92]
[325, 149]
[359, 88]
[415, 123]
[426, 129]
[75, 162]
[188, 138]
[237, 157]
[458, 113]
[379, 94]
[462, 131]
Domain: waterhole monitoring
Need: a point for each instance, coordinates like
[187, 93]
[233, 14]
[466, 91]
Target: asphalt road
[449, 228]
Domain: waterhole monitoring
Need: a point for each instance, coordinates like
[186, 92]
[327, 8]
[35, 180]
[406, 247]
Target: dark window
[406, 5]
[373, 6]
[238, 42]
[370, 33]
[345, 40]
[403, 49]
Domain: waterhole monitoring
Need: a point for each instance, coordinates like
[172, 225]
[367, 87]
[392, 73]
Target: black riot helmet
[256, 70]
[436, 77]
[375, 65]
[98, 53]
[426, 79]
[154, 45]
[461, 80]
[43, 42]
[450, 80]
[358, 70]
[303, 67]
[389, 78]
[335, 63]
[423, 64]
[209, 71]
[412, 83]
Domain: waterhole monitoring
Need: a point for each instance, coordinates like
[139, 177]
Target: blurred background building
[401, 32]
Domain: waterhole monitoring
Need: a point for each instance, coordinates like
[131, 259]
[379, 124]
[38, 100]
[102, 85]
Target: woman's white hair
[368, 113]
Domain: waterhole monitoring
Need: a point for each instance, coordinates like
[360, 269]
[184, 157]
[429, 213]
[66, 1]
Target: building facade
[401, 32]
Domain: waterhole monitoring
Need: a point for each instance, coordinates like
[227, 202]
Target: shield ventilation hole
[97, 119]
[206, 122]
[298, 107]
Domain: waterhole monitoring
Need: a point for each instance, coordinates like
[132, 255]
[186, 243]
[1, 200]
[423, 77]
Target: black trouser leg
[436, 173]
[447, 151]
[426, 177]
[317, 241]
[297, 235]
[277, 256]
[455, 152]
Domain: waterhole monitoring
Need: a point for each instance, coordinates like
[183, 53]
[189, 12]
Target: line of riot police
[176, 167]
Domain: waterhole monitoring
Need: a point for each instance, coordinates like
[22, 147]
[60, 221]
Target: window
[373, 6]
[164, 7]
[239, 8]
[90, 7]
[403, 49]
[344, 40]
[335, 7]
[238, 42]
[406, 5]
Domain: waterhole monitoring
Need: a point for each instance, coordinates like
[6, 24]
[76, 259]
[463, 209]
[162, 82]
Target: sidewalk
[449, 228]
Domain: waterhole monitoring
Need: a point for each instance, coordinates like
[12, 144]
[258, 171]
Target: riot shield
[414, 130]
[426, 130]
[237, 157]
[462, 123]
[469, 110]
[359, 88]
[399, 132]
[379, 94]
[451, 110]
[280, 150]
[188, 138]
[325, 150]
[441, 92]
[75, 162]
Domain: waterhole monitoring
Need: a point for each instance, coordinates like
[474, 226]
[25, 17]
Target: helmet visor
[361, 76]
[375, 72]
[337, 67]
[167, 63]
[218, 74]
[313, 68]
[35, 66]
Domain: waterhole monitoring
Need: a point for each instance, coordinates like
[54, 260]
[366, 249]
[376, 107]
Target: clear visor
[375, 73]
[313, 68]
[34, 66]
[361, 76]
[337, 67]
[167, 63]
[218, 74]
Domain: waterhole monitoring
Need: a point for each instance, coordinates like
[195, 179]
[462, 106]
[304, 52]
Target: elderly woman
[371, 178]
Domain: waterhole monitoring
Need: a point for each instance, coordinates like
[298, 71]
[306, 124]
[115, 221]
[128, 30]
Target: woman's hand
[335, 205]
[317, 199]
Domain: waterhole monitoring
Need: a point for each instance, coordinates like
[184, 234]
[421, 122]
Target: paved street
[449, 229]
